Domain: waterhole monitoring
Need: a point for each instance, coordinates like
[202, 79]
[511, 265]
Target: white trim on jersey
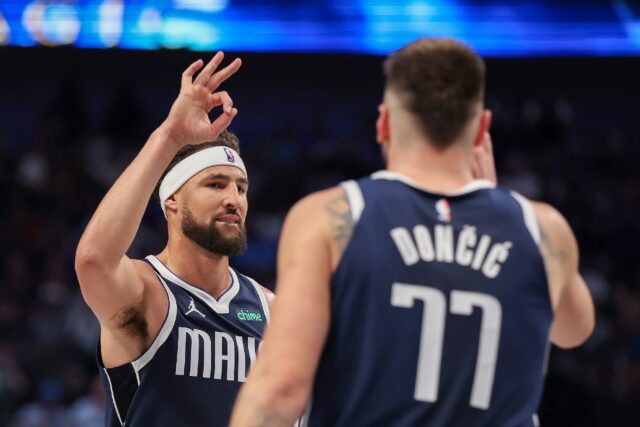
[547, 353]
[477, 184]
[263, 298]
[220, 306]
[113, 396]
[529, 216]
[356, 201]
[137, 375]
[536, 420]
[165, 330]
[304, 419]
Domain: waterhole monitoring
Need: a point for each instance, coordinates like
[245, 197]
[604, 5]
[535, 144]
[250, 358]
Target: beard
[211, 239]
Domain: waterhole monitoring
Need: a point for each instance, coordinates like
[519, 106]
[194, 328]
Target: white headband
[188, 167]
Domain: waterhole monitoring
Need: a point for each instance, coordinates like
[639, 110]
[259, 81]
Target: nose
[231, 197]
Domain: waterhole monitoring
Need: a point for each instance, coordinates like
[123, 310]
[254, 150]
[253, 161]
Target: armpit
[133, 322]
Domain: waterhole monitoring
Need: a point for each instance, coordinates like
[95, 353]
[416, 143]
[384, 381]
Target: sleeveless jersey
[191, 374]
[440, 310]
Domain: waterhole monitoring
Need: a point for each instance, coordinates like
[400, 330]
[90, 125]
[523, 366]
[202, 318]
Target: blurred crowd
[549, 146]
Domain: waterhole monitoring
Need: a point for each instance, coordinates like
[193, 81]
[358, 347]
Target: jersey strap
[529, 216]
[356, 200]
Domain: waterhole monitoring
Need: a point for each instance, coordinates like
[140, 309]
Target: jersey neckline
[470, 187]
[221, 305]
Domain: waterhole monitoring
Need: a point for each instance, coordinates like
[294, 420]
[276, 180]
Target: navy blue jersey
[191, 374]
[440, 311]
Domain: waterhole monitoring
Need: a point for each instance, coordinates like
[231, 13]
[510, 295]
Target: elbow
[87, 262]
[572, 342]
[587, 325]
[575, 317]
[585, 329]
[292, 395]
[85, 258]
[577, 335]
[282, 394]
[288, 397]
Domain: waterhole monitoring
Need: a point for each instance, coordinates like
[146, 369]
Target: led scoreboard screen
[494, 28]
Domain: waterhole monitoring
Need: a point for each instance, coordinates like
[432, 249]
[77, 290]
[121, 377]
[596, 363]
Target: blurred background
[83, 83]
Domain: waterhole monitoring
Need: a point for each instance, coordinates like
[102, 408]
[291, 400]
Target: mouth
[231, 219]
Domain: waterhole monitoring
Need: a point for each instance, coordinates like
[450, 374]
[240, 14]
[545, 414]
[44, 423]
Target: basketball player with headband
[179, 330]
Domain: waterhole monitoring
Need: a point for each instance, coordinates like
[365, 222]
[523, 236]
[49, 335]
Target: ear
[382, 125]
[171, 204]
[483, 126]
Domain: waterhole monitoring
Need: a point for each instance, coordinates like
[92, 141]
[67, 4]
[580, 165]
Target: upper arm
[108, 290]
[300, 317]
[574, 315]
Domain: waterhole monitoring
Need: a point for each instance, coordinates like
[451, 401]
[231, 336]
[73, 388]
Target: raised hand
[188, 121]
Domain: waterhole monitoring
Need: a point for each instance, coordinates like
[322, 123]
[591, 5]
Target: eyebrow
[241, 180]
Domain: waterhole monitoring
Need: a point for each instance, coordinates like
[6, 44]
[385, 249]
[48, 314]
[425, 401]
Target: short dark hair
[225, 139]
[439, 80]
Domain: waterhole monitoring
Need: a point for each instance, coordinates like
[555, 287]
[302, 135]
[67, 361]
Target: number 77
[432, 334]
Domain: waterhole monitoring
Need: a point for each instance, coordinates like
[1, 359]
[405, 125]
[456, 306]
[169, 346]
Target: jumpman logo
[192, 308]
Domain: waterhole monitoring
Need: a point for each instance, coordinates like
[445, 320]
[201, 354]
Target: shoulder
[547, 214]
[552, 223]
[322, 221]
[316, 203]
[320, 211]
[317, 213]
[154, 296]
[145, 272]
[270, 296]
[154, 302]
[557, 242]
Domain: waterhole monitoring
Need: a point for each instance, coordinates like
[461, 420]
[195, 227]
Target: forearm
[113, 226]
[249, 414]
[281, 380]
[258, 407]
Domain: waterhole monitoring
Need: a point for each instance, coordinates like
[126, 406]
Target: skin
[124, 293]
[315, 234]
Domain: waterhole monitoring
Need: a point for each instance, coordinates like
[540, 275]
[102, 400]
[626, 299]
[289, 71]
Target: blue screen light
[494, 28]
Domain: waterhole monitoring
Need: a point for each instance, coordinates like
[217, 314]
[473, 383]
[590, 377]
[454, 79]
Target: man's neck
[197, 266]
[438, 171]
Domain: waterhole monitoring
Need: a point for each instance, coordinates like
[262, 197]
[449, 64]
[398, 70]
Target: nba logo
[229, 154]
[444, 210]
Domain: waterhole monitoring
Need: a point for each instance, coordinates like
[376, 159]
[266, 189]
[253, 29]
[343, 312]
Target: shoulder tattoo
[550, 250]
[340, 220]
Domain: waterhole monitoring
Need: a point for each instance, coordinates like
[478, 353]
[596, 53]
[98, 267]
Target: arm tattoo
[550, 251]
[340, 220]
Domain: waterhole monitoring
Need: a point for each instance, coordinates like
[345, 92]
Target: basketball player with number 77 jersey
[423, 295]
